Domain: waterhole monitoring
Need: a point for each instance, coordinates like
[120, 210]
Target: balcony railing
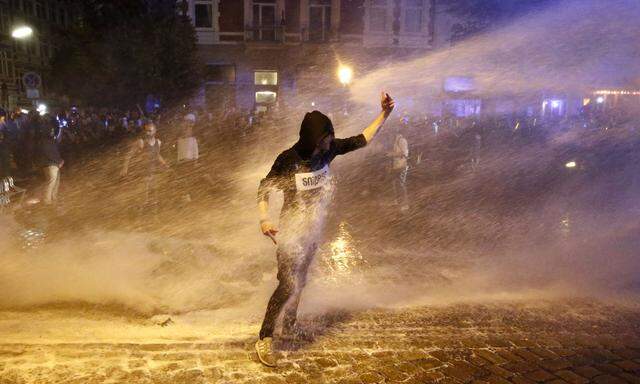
[265, 33]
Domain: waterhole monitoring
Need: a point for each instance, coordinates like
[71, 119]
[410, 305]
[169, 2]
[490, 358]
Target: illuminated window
[265, 97]
[265, 78]
[204, 15]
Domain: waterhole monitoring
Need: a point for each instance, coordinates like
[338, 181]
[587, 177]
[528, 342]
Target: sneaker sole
[255, 346]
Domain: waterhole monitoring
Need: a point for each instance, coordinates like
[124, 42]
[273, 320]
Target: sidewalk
[576, 342]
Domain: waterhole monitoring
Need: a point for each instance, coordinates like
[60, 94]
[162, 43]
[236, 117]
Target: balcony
[265, 34]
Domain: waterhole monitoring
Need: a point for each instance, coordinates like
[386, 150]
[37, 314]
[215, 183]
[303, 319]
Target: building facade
[264, 53]
[49, 19]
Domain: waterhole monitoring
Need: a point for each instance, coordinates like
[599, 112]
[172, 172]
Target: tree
[123, 50]
[477, 16]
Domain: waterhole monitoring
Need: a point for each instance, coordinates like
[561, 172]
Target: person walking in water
[302, 173]
[148, 148]
[399, 169]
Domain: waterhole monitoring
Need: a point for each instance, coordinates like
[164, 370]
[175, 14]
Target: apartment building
[19, 56]
[263, 53]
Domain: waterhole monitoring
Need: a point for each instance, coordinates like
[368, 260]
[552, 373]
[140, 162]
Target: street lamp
[22, 32]
[345, 75]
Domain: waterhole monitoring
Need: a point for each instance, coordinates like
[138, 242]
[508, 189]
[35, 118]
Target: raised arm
[387, 105]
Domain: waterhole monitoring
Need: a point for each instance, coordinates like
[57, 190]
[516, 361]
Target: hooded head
[314, 128]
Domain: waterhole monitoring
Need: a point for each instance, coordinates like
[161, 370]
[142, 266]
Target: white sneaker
[265, 353]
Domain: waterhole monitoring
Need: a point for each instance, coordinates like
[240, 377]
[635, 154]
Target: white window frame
[214, 14]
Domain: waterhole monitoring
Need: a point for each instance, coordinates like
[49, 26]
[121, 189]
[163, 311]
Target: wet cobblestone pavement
[557, 342]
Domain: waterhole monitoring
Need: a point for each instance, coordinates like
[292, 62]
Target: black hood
[315, 126]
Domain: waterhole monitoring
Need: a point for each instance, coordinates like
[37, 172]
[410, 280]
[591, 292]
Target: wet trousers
[52, 183]
[293, 265]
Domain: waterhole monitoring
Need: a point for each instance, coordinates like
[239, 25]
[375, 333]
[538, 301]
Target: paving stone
[526, 355]
[460, 370]
[608, 368]
[571, 377]
[544, 353]
[633, 379]
[371, 378]
[587, 372]
[628, 365]
[557, 381]
[490, 356]
[509, 356]
[498, 371]
[608, 379]
[555, 365]
[540, 376]
[518, 379]
[478, 361]
[627, 353]
[429, 377]
[427, 363]
[392, 373]
[522, 367]
[493, 379]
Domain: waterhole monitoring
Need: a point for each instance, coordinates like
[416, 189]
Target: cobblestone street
[575, 342]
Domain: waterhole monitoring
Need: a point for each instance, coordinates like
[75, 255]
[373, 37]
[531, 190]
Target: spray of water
[210, 255]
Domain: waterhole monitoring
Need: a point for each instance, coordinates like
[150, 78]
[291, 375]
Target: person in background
[400, 168]
[5, 156]
[51, 162]
[187, 143]
[148, 149]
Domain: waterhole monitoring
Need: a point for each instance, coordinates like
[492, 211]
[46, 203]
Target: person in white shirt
[399, 169]
[187, 143]
[189, 169]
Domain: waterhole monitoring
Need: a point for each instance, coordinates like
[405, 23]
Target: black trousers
[292, 277]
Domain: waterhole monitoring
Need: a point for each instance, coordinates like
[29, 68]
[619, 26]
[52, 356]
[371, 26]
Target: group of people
[36, 145]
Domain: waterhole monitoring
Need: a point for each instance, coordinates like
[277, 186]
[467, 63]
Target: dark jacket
[297, 161]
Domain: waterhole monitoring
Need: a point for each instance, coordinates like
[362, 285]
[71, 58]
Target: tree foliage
[477, 16]
[123, 50]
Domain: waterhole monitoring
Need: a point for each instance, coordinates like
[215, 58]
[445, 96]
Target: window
[264, 20]
[319, 20]
[265, 97]
[265, 78]
[204, 15]
[40, 10]
[4, 64]
[378, 16]
[221, 73]
[4, 21]
[413, 15]
[28, 7]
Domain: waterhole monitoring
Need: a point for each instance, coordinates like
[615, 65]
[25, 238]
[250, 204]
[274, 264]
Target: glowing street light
[22, 32]
[571, 164]
[345, 75]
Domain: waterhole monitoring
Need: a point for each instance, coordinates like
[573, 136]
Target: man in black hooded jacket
[302, 174]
